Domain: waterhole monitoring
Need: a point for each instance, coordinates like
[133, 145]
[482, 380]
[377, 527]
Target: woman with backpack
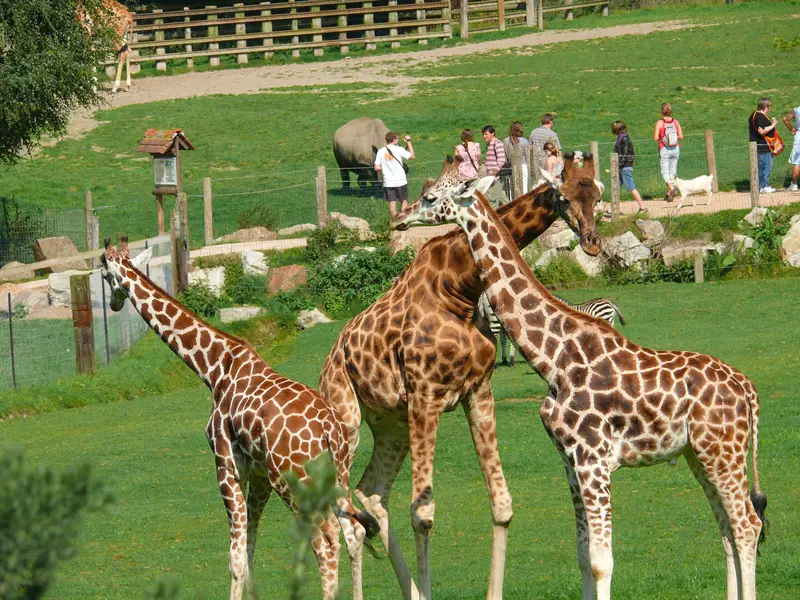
[668, 134]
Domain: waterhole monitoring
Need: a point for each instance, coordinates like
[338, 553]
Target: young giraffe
[613, 403]
[262, 425]
[120, 20]
[417, 352]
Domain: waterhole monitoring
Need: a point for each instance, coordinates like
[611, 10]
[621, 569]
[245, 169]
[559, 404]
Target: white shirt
[393, 174]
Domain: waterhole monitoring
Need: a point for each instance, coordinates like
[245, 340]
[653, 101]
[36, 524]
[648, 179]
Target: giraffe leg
[119, 75]
[354, 535]
[582, 535]
[326, 548]
[257, 496]
[388, 453]
[233, 498]
[594, 480]
[128, 71]
[482, 424]
[731, 558]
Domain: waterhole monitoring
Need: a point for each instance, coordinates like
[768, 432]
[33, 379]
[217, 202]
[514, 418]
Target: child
[553, 164]
[624, 149]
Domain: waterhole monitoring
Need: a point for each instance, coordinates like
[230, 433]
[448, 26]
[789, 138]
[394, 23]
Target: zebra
[599, 308]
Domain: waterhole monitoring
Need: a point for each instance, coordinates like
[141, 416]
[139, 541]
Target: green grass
[169, 521]
[712, 74]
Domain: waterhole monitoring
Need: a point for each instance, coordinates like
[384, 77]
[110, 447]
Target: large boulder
[357, 224]
[756, 216]
[310, 318]
[652, 231]
[591, 265]
[672, 253]
[57, 247]
[295, 229]
[213, 278]
[546, 258]
[238, 313]
[742, 243]
[58, 290]
[790, 246]
[251, 234]
[626, 248]
[254, 263]
[284, 279]
[13, 265]
[557, 236]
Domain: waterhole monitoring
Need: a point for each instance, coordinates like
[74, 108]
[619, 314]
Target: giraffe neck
[530, 314]
[207, 351]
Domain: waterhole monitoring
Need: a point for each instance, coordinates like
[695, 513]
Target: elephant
[355, 145]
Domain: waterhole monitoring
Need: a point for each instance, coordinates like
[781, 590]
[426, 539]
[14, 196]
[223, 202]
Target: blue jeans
[626, 176]
[764, 168]
[669, 163]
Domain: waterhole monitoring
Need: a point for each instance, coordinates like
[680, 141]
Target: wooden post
[182, 202]
[569, 15]
[161, 65]
[501, 15]
[516, 172]
[187, 33]
[698, 267]
[464, 19]
[180, 253]
[135, 66]
[614, 185]
[160, 213]
[342, 22]
[213, 31]
[539, 15]
[530, 13]
[322, 196]
[241, 29]
[594, 149]
[89, 215]
[529, 162]
[82, 323]
[266, 27]
[369, 19]
[753, 175]
[295, 27]
[208, 212]
[393, 18]
[712, 160]
[125, 327]
[605, 10]
[316, 23]
[421, 15]
[447, 28]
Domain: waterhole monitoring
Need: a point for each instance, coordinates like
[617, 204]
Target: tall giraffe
[121, 21]
[417, 353]
[262, 425]
[612, 403]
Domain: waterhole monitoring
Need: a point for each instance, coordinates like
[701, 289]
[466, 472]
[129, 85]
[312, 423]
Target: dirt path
[366, 70]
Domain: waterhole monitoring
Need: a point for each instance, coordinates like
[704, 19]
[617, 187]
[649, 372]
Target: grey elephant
[355, 145]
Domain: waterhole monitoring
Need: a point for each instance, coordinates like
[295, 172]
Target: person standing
[470, 154]
[495, 159]
[539, 137]
[792, 120]
[668, 134]
[389, 162]
[554, 164]
[624, 149]
[760, 125]
[517, 152]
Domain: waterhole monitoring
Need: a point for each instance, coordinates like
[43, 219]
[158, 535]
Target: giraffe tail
[757, 497]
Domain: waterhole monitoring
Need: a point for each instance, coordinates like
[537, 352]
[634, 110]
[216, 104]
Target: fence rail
[494, 15]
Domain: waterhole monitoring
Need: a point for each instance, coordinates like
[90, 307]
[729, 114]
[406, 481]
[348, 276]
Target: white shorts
[794, 157]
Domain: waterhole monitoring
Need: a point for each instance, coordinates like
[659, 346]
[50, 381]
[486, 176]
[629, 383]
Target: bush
[560, 271]
[322, 242]
[649, 271]
[200, 300]
[285, 306]
[258, 216]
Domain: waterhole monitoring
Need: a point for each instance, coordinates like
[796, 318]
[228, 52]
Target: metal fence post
[82, 323]
[614, 185]
[712, 160]
[208, 211]
[11, 342]
[753, 175]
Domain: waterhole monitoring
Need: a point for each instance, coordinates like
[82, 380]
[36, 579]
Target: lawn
[168, 520]
[264, 149]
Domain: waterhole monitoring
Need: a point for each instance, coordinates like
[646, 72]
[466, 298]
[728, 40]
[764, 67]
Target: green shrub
[40, 515]
[247, 290]
[560, 271]
[322, 242]
[284, 306]
[649, 271]
[199, 299]
[258, 216]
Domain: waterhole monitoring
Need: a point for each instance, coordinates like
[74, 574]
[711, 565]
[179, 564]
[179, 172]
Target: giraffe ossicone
[612, 404]
[262, 426]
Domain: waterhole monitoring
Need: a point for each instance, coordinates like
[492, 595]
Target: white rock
[353, 223]
[309, 318]
[559, 239]
[652, 231]
[295, 229]
[546, 258]
[742, 243]
[794, 220]
[238, 313]
[672, 253]
[790, 246]
[756, 216]
[213, 278]
[591, 265]
[58, 293]
[626, 248]
[32, 299]
[254, 263]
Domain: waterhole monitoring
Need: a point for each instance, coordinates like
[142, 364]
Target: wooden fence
[496, 15]
[241, 30]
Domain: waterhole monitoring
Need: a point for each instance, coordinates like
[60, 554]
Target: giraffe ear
[481, 185]
[140, 260]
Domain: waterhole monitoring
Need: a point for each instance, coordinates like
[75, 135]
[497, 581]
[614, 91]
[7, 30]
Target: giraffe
[612, 403]
[120, 20]
[417, 352]
[262, 425]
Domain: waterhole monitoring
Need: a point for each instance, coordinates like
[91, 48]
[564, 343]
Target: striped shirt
[495, 157]
[539, 137]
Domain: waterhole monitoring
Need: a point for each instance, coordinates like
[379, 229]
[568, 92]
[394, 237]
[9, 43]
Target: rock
[794, 220]
[558, 235]
[417, 237]
[13, 265]
[238, 313]
[31, 299]
[213, 278]
[283, 279]
[254, 263]
[58, 292]
[295, 229]
[790, 246]
[546, 258]
[591, 265]
[742, 243]
[756, 216]
[626, 248]
[354, 224]
[57, 247]
[253, 234]
[672, 253]
[310, 318]
[652, 231]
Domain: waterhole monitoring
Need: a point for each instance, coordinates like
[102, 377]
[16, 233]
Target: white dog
[693, 187]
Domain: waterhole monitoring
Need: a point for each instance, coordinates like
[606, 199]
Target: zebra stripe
[599, 308]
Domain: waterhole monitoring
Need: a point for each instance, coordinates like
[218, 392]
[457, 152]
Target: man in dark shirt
[760, 125]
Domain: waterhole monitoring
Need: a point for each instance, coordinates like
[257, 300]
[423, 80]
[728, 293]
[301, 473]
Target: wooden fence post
[316, 23]
[614, 186]
[516, 173]
[266, 27]
[464, 19]
[322, 196]
[295, 27]
[125, 327]
[213, 31]
[539, 15]
[342, 22]
[501, 15]
[569, 15]
[447, 28]
[182, 201]
[187, 33]
[698, 267]
[605, 10]
[135, 67]
[241, 29]
[180, 253]
[82, 322]
[594, 149]
[369, 19]
[530, 12]
[161, 65]
[89, 220]
[712, 160]
[394, 17]
[208, 212]
[422, 29]
[160, 213]
[753, 175]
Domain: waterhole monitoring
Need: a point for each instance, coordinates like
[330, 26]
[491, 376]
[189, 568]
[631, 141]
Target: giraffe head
[446, 181]
[115, 263]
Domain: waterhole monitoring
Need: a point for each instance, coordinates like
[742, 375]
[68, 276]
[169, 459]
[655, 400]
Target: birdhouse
[164, 145]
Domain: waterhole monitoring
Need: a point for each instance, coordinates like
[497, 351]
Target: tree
[47, 61]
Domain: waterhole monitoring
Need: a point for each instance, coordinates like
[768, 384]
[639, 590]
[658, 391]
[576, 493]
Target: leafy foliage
[322, 241]
[259, 216]
[200, 300]
[780, 43]
[40, 516]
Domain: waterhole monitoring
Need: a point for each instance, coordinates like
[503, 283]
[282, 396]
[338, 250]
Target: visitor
[553, 163]
[389, 162]
[494, 162]
[792, 120]
[470, 154]
[668, 134]
[624, 149]
[760, 125]
[539, 137]
[517, 152]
